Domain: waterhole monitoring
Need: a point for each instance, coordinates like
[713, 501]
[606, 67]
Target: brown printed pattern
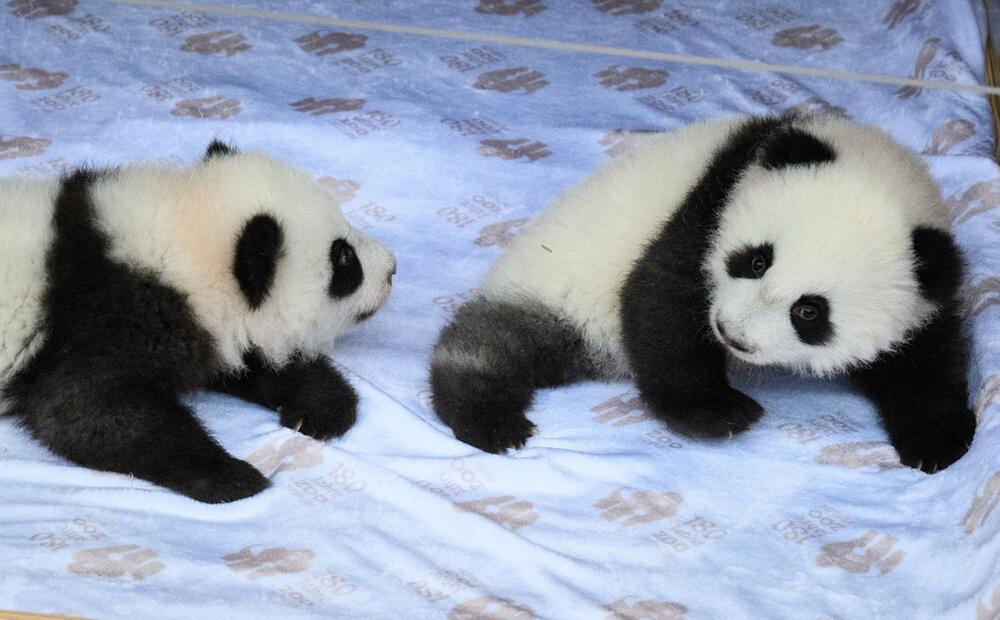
[501, 233]
[473, 59]
[646, 609]
[76, 96]
[982, 295]
[116, 561]
[983, 504]
[860, 555]
[319, 107]
[491, 608]
[514, 148]
[807, 37]
[765, 18]
[860, 455]
[816, 105]
[626, 7]
[510, 7]
[181, 86]
[639, 507]
[36, 9]
[325, 42]
[22, 146]
[900, 10]
[506, 510]
[75, 28]
[632, 78]
[176, 24]
[670, 101]
[986, 193]
[362, 64]
[218, 106]
[993, 611]
[619, 412]
[296, 452]
[924, 58]
[224, 42]
[621, 141]
[272, 561]
[26, 78]
[315, 591]
[511, 80]
[990, 392]
[341, 190]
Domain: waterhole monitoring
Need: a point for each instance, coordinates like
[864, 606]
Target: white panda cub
[125, 288]
[811, 243]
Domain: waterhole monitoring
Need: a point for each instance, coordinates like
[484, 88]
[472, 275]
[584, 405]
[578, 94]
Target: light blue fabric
[604, 514]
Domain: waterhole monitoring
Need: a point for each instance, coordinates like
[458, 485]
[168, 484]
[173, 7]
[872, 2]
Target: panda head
[831, 249]
[299, 274]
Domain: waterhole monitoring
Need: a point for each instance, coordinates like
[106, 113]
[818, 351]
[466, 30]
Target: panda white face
[812, 269]
[304, 273]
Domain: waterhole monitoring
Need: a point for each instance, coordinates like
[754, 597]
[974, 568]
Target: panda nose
[729, 340]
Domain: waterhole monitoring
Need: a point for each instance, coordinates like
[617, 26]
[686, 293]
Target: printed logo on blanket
[116, 561]
[632, 78]
[35, 9]
[639, 507]
[272, 561]
[646, 609]
[491, 608]
[510, 7]
[982, 505]
[218, 42]
[22, 146]
[27, 78]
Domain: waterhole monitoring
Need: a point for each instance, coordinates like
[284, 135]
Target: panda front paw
[225, 480]
[716, 416]
[496, 435]
[321, 416]
[931, 448]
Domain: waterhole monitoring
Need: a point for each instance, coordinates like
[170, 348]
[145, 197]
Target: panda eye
[342, 253]
[750, 262]
[810, 316]
[347, 272]
[806, 312]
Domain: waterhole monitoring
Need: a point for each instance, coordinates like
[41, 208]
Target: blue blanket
[444, 145]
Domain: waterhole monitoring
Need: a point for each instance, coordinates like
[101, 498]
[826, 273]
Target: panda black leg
[679, 370]
[921, 394]
[311, 396]
[488, 363]
[141, 431]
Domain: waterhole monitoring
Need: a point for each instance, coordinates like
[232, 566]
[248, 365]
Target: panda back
[25, 233]
[575, 257]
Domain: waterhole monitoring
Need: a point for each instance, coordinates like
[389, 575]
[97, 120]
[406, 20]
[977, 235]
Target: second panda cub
[810, 243]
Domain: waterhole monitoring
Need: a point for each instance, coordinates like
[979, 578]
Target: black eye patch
[347, 271]
[810, 317]
[751, 262]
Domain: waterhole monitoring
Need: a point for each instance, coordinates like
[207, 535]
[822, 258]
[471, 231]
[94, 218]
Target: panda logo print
[983, 504]
[501, 233]
[224, 42]
[297, 452]
[514, 148]
[511, 80]
[626, 7]
[505, 510]
[631, 78]
[860, 455]
[807, 37]
[116, 561]
[491, 608]
[510, 7]
[860, 555]
[27, 78]
[646, 609]
[319, 107]
[268, 562]
[620, 412]
[949, 135]
[36, 9]
[324, 42]
[639, 507]
[218, 107]
[22, 146]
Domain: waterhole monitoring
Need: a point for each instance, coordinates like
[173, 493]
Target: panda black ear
[257, 253]
[939, 263]
[219, 149]
[794, 147]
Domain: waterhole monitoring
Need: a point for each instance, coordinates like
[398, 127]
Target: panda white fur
[810, 243]
[122, 289]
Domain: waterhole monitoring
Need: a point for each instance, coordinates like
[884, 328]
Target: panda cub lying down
[810, 243]
[125, 288]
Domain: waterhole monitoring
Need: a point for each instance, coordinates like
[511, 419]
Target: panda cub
[810, 243]
[124, 289]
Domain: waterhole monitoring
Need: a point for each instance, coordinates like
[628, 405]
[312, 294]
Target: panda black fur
[126, 288]
[811, 243]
